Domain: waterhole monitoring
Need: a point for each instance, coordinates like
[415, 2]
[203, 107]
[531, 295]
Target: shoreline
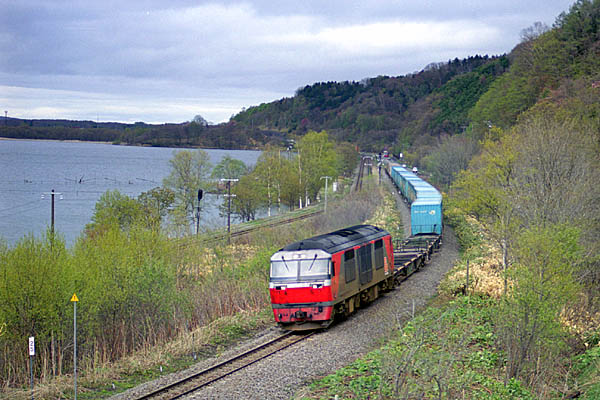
[56, 140]
[120, 144]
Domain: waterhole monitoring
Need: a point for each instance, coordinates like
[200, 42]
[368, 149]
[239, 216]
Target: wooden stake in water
[74, 299]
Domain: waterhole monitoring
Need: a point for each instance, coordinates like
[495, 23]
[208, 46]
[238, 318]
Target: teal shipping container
[426, 216]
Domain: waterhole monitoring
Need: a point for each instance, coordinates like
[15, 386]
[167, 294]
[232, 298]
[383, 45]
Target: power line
[21, 205]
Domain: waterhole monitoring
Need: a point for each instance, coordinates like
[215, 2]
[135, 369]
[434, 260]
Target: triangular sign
[74, 298]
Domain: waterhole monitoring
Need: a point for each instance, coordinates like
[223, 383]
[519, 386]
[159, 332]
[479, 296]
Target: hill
[384, 111]
[187, 134]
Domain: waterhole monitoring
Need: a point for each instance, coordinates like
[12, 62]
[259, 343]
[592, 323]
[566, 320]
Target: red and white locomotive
[313, 280]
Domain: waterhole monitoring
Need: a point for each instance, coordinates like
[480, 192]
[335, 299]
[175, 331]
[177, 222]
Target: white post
[326, 180]
[31, 355]
[74, 300]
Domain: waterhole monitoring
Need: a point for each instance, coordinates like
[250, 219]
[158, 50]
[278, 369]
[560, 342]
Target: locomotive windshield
[283, 269]
[314, 267]
[295, 267]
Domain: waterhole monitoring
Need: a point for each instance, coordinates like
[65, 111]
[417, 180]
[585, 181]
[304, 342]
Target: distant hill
[65, 123]
[383, 111]
[187, 134]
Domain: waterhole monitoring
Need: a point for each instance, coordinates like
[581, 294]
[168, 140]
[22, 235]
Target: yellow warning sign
[74, 298]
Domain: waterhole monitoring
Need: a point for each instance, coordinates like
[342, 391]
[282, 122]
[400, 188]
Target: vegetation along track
[242, 230]
[212, 374]
[249, 227]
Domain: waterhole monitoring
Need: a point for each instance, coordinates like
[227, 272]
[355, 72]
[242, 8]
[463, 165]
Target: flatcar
[314, 280]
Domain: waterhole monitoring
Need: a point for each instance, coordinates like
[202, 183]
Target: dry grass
[579, 319]
[207, 260]
[206, 340]
[485, 274]
[387, 216]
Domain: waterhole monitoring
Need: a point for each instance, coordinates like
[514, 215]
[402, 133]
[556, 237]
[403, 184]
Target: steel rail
[212, 374]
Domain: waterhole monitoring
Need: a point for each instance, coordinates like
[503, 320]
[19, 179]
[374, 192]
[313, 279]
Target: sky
[161, 61]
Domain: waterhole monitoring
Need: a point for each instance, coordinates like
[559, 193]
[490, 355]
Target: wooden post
[467, 288]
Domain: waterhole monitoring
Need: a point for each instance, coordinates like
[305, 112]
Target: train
[314, 281]
[425, 200]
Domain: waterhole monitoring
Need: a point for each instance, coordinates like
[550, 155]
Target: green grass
[587, 372]
[446, 351]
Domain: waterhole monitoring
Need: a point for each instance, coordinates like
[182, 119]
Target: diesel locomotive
[314, 280]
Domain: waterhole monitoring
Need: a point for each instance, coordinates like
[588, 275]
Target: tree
[115, 209]
[451, 156]
[316, 158]
[529, 318]
[534, 31]
[487, 191]
[348, 157]
[558, 172]
[229, 168]
[156, 203]
[269, 171]
[199, 120]
[249, 197]
[189, 173]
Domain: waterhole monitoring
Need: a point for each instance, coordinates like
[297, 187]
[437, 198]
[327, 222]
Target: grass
[451, 350]
[445, 352]
[587, 372]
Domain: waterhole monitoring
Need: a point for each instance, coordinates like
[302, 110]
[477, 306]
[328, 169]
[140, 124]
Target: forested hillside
[385, 111]
[187, 134]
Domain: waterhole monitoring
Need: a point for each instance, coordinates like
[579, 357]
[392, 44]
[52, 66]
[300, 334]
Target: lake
[81, 172]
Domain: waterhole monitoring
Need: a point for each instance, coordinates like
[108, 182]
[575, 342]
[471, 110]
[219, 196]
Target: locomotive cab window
[284, 269]
[349, 266]
[379, 254]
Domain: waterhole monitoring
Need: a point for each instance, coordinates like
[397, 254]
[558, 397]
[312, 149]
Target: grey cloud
[201, 51]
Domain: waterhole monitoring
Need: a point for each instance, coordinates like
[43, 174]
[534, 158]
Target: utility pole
[198, 211]
[229, 196]
[52, 194]
[326, 180]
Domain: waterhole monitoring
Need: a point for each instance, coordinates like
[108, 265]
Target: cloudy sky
[166, 61]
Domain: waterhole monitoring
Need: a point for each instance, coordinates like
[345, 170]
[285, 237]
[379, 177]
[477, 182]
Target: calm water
[82, 172]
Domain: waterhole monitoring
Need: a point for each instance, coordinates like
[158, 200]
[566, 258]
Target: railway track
[359, 176]
[365, 165]
[243, 230]
[203, 378]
